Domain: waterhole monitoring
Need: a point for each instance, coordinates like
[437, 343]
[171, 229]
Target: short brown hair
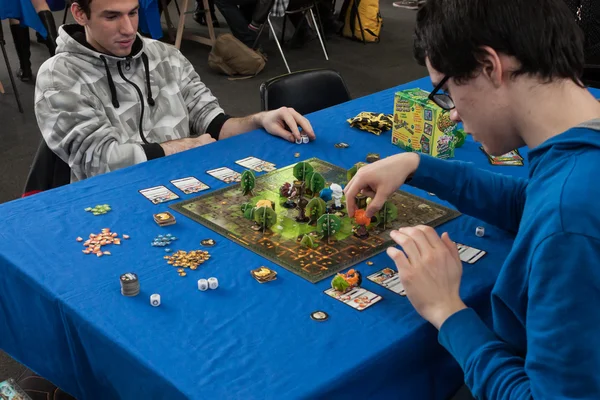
[84, 5]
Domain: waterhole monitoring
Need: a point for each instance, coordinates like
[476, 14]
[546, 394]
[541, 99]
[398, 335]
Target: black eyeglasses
[442, 99]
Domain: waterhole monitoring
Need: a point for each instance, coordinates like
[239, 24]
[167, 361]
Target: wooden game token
[297, 155]
[369, 262]
[319, 316]
[208, 242]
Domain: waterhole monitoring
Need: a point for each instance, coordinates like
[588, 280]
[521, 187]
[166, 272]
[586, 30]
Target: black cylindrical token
[319, 316]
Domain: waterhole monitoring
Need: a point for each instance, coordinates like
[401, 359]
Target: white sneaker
[408, 4]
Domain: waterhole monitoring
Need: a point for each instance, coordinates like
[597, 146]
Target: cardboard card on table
[264, 274]
[512, 158]
[10, 390]
[190, 185]
[357, 298]
[389, 279]
[468, 254]
[225, 174]
[256, 164]
[158, 194]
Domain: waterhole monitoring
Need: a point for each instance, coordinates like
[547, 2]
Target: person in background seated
[22, 40]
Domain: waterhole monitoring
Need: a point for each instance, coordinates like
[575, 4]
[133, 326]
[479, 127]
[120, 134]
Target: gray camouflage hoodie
[99, 113]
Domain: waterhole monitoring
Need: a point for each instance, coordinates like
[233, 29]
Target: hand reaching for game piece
[179, 145]
[379, 180]
[430, 270]
[284, 123]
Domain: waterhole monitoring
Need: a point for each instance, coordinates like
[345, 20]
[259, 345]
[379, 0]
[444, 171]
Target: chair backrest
[48, 171]
[305, 91]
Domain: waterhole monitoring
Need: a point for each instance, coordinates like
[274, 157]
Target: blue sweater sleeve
[494, 198]
[562, 325]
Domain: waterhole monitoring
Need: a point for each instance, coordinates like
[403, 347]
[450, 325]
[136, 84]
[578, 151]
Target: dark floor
[366, 69]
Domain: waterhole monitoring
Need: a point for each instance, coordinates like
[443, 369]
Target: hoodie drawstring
[147, 68]
[111, 84]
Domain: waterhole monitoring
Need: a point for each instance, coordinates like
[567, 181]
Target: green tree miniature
[328, 225]
[301, 170]
[315, 208]
[387, 214]
[352, 171]
[248, 181]
[248, 210]
[315, 183]
[265, 217]
[307, 241]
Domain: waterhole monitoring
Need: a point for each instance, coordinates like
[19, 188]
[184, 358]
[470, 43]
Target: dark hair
[542, 35]
[85, 6]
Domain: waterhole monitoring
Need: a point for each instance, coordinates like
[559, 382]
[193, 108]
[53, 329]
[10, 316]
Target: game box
[422, 126]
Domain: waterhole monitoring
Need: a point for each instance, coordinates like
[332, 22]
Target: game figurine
[299, 189]
[345, 282]
[302, 203]
[325, 194]
[288, 191]
[248, 181]
[315, 208]
[362, 221]
[361, 200]
[337, 194]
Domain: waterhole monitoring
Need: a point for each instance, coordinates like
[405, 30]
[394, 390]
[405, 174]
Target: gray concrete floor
[365, 68]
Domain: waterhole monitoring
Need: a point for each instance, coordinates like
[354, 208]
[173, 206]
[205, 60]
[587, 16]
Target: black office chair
[304, 11]
[47, 172]
[305, 91]
[591, 76]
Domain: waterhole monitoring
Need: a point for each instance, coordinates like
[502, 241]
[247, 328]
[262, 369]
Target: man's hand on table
[430, 270]
[379, 180]
[284, 122]
[179, 145]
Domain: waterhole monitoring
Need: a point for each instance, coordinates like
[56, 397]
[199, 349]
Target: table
[62, 314]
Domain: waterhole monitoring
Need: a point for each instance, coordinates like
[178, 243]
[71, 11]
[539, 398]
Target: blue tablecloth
[62, 313]
[23, 11]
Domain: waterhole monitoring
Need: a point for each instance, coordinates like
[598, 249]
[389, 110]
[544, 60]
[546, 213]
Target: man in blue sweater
[510, 71]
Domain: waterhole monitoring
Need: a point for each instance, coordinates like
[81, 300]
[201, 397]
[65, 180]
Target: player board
[221, 211]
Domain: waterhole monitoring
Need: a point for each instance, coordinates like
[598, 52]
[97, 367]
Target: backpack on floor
[370, 20]
[231, 57]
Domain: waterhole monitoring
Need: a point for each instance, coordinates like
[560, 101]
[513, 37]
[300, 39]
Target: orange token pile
[96, 241]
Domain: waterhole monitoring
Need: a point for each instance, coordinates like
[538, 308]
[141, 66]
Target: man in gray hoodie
[110, 98]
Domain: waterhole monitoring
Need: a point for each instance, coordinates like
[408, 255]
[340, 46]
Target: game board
[221, 211]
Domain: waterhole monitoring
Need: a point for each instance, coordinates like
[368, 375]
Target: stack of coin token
[130, 285]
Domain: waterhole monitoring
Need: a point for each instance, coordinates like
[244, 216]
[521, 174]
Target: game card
[256, 164]
[389, 279]
[357, 298]
[470, 255]
[190, 185]
[158, 194]
[512, 158]
[225, 174]
[9, 390]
